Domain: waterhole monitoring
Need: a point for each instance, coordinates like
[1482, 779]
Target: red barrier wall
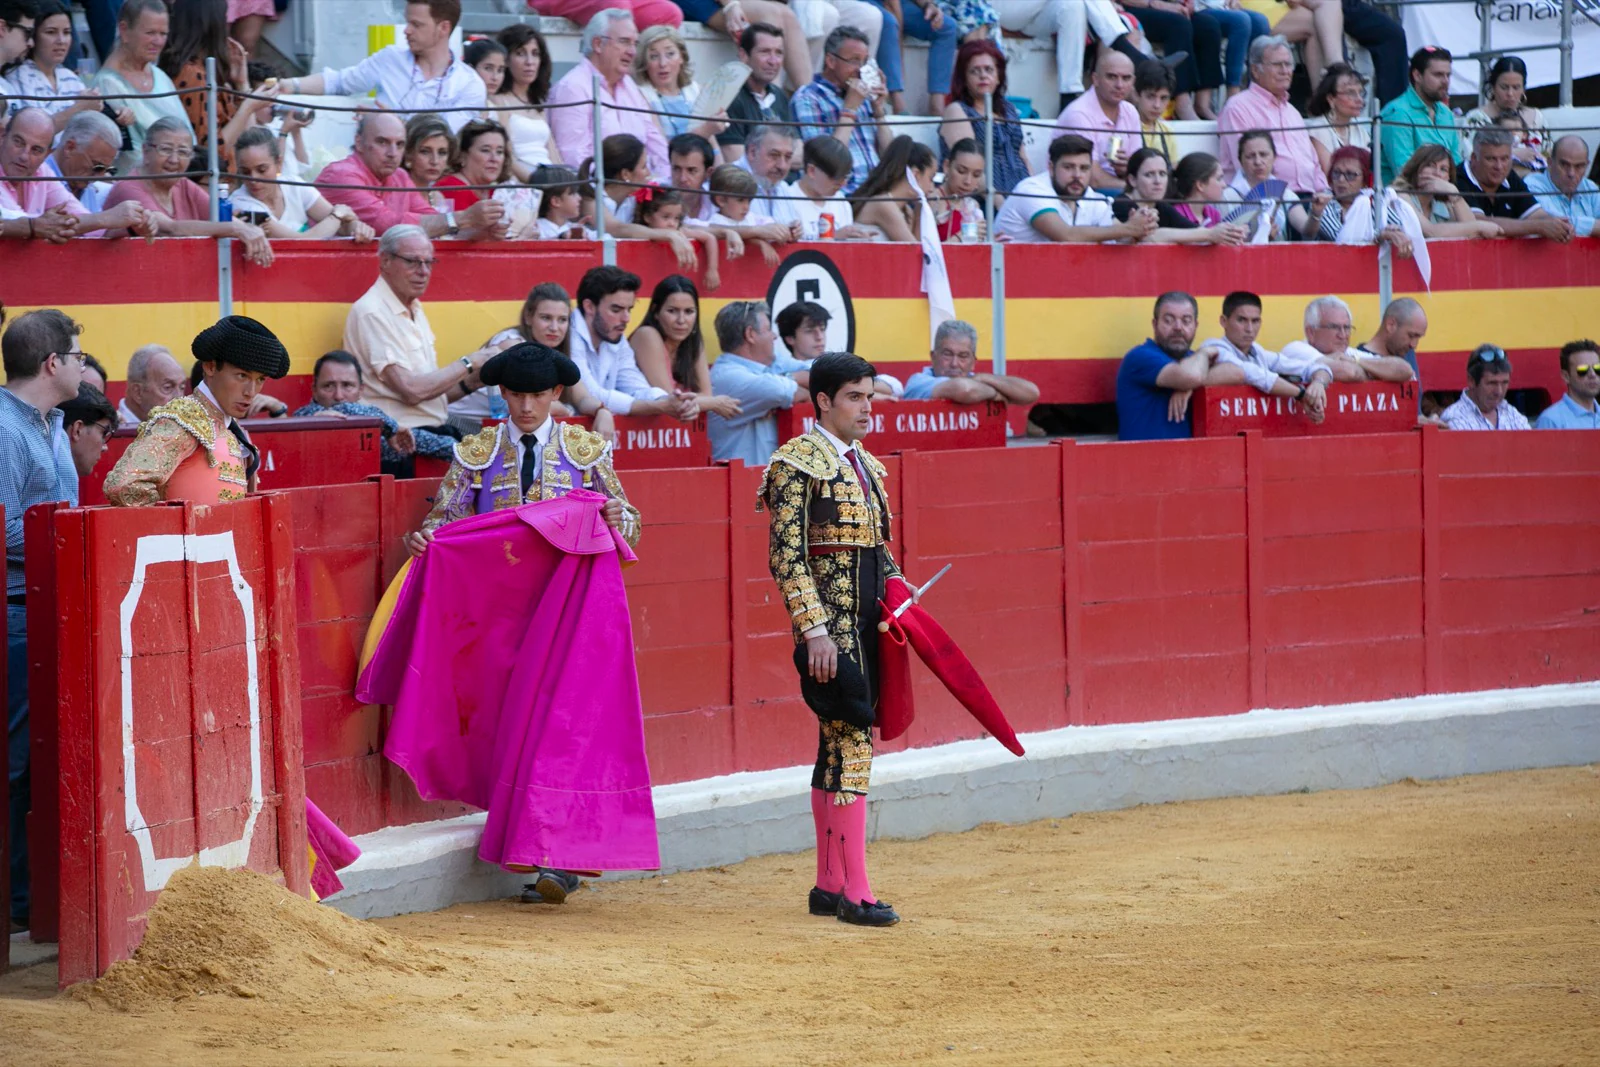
[1092, 584]
[163, 615]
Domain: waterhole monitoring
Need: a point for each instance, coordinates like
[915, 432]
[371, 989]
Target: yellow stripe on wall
[891, 330]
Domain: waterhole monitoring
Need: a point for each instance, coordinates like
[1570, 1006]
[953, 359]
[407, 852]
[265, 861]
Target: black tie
[530, 460]
[252, 457]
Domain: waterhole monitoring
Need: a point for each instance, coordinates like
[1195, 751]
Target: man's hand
[128, 215]
[484, 215]
[1554, 228]
[1396, 239]
[1178, 405]
[935, 16]
[1119, 161]
[1138, 226]
[58, 226]
[734, 19]
[855, 94]
[270, 406]
[417, 543]
[1316, 400]
[612, 513]
[605, 424]
[403, 441]
[685, 406]
[328, 413]
[822, 658]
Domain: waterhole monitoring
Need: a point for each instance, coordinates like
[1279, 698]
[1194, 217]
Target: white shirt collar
[204, 391]
[541, 436]
[838, 446]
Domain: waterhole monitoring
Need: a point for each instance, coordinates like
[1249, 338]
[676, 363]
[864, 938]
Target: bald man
[47, 210]
[1107, 119]
[379, 147]
[154, 378]
[1566, 191]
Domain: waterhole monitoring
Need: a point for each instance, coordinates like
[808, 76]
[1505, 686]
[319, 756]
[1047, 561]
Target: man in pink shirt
[52, 211]
[608, 46]
[1107, 119]
[380, 143]
[1265, 106]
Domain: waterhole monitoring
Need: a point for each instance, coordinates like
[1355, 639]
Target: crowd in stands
[493, 147]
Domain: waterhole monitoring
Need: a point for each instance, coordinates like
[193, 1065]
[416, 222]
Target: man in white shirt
[1328, 325]
[816, 193]
[154, 378]
[1241, 361]
[389, 334]
[421, 75]
[606, 296]
[1483, 404]
[768, 154]
[1058, 205]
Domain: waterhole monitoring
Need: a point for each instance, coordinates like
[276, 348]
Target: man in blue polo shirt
[1577, 409]
[1155, 380]
[751, 371]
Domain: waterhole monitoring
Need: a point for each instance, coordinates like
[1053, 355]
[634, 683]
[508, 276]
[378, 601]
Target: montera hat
[529, 367]
[245, 343]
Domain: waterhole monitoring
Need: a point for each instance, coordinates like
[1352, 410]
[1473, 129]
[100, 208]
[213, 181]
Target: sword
[916, 595]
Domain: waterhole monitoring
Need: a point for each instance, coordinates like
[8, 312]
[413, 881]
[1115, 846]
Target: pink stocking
[830, 872]
[850, 821]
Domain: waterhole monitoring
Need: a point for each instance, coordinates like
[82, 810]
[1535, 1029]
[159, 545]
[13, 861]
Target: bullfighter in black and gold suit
[830, 558]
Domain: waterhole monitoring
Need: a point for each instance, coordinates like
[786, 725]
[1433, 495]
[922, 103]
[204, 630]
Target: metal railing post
[1566, 53]
[213, 164]
[1485, 42]
[608, 244]
[997, 250]
[1380, 219]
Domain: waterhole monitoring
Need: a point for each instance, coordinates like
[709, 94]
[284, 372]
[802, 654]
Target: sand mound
[236, 933]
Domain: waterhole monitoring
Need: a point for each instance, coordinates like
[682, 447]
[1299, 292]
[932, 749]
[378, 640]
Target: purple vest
[569, 461]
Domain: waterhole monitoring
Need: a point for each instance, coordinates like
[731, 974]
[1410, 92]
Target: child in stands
[560, 205]
[732, 189]
[662, 209]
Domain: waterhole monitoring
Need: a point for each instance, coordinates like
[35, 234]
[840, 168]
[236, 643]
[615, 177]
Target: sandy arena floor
[1448, 922]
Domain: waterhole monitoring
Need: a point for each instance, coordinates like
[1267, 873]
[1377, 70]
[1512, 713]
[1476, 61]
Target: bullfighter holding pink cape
[523, 699]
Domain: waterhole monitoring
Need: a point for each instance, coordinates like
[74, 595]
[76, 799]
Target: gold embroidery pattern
[849, 757]
[583, 447]
[476, 451]
[784, 491]
[193, 416]
[141, 474]
[632, 522]
[810, 454]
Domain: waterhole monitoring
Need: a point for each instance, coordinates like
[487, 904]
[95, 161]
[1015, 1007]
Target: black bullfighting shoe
[877, 913]
[551, 887]
[823, 902]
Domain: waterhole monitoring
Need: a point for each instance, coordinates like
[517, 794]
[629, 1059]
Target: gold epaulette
[192, 415]
[477, 450]
[584, 448]
[809, 454]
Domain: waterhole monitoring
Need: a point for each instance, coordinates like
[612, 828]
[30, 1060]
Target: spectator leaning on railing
[1577, 409]
[1565, 191]
[1265, 106]
[1421, 115]
[388, 332]
[86, 149]
[420, 75]
[294, 211]
[610, 42]
[1400, 331]
[1483, 404]
[1058, 205]
[48, 209]
[768, 152]
[605, 359]
[379, 147]
[1493, 191]
[177, 206]
[1148, 189]
[761, 382]
[1157, 377]
[952, 372]
[1328, 327]
[336, 393]
[1241, 360]
[692, 158]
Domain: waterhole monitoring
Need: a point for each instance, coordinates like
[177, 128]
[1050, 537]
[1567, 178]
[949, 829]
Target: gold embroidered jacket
[817, 501]
[162, 462]
[484, 476]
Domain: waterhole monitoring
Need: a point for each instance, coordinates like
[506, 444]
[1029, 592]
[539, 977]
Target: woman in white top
[1338, 114]
[666, 77]
[43, 73]
[1507, 94]
[142, 27]
[285, 210]
[525, 87]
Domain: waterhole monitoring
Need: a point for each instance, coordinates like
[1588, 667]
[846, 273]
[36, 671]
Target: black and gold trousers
[849, 583]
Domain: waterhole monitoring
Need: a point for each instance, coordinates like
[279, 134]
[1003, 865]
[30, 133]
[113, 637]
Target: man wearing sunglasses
[1577, 409]
[51, 212]
[1483, 404]
[85, 158]
[88, 420]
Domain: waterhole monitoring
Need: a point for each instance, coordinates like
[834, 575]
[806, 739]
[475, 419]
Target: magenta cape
[509, 662]
[331, 851]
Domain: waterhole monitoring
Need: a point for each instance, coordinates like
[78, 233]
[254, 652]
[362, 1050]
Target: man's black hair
[834, 371]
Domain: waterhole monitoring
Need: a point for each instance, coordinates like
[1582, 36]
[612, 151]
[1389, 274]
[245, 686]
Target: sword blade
[916, 595]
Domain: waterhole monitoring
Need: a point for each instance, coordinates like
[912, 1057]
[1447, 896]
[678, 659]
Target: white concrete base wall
[955, 787]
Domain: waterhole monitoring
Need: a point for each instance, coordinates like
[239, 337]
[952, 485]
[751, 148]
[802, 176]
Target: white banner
[1514, 24]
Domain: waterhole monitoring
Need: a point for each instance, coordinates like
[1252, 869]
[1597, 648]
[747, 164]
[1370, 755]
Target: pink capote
[331, 850]
[509, 662]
